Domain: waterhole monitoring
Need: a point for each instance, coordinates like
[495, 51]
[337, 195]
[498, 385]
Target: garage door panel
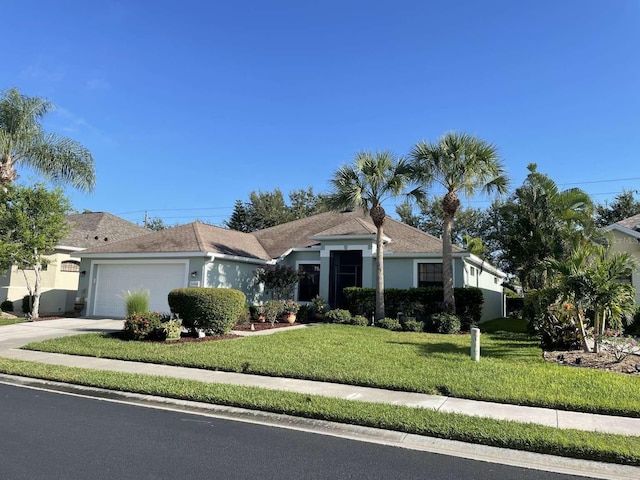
[114, 280]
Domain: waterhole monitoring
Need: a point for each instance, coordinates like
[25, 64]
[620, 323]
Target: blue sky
[188, 106]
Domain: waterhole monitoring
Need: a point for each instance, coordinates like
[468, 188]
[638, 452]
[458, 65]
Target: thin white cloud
[39, 71]
[72, 123]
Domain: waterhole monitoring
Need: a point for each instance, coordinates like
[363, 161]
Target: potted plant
[289, 310]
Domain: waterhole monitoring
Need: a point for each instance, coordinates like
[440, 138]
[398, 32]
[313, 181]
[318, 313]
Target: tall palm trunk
[379, 275]
[378, 216]
[450, 204]
[8, 173]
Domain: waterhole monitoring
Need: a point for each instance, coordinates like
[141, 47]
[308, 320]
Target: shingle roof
[192, 237]
[298, 234]
[275, 241]
[630, 222]
[92, 229]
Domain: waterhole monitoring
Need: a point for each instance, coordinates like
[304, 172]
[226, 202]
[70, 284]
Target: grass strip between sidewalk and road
[511, 369]
[10, 321]
[500, 433]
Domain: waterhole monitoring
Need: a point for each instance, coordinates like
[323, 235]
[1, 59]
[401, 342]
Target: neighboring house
[336, 250]
[625, 237]
[60, 278]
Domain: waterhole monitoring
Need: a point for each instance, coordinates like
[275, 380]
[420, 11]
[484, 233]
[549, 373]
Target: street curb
[516, 458]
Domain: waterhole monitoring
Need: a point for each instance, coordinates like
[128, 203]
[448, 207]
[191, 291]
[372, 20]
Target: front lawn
[511, 369]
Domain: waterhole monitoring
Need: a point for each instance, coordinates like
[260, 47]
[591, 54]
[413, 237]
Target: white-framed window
[429, 274]
[472, 271]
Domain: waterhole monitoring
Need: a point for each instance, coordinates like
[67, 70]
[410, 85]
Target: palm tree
[23, 141]
[589, 280]
[366, 183]
[540, 221]
[460, 163]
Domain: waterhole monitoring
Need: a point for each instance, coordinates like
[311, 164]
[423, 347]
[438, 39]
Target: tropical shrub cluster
[146, 326]
[213, 310]
[417, 302]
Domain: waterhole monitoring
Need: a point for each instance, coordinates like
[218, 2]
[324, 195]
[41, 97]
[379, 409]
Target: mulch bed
[246, 327]
[601, 361]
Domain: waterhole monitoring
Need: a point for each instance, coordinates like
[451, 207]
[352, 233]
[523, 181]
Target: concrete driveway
[19, 334]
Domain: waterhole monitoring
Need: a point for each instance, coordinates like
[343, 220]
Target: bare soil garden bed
[601, 361]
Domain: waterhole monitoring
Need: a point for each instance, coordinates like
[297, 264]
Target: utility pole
[146, 219]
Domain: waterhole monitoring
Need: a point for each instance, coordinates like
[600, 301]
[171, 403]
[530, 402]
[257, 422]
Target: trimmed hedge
[214, 310]
[469, 302]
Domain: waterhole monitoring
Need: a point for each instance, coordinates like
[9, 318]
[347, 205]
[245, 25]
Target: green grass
[513, 325]
[511, 369]
[10, 321]
[536, 438]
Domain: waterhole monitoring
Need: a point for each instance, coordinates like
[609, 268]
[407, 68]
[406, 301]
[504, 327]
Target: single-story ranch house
[60, 278]
[336, 250]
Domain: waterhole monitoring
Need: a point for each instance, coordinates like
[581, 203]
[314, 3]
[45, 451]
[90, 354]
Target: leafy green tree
[538, 222]
[304, 203]
[156, 224]
[32, 223]
[267, 209]
[366, 183]
[623, 206]
[460, 163]
[467, 221]
[23, 141]
[279, 280]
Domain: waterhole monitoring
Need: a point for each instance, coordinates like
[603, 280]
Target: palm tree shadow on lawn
[508, 349]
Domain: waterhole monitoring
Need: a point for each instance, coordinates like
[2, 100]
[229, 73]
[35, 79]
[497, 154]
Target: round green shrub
[338, 316]
[214, 310]
[359, 320]
[390, 324]
[445, 323]
[6, 306]
[413, 325]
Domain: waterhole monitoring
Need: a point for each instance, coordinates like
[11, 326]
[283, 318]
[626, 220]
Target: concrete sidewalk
[14, 336]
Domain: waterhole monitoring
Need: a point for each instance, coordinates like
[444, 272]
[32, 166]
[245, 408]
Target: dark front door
[345, 271]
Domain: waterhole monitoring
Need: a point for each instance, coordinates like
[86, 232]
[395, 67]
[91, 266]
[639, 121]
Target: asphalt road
[52, 436]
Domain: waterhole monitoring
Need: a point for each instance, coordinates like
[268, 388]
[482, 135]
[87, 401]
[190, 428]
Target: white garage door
[114, 279]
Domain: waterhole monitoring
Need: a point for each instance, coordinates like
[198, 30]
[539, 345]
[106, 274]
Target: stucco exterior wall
[238, 275]
[621, 242]
[58, 288]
